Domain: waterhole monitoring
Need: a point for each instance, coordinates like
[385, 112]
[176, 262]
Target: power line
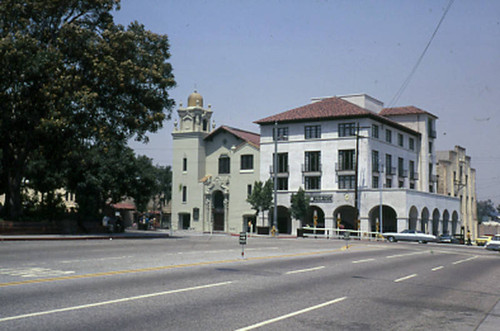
[407, 81]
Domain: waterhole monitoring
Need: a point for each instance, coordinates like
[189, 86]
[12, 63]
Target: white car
[409, 235]
[494, 243]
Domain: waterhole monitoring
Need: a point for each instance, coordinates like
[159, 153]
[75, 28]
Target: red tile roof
[326, 109]
[250, 137]
[407, 110]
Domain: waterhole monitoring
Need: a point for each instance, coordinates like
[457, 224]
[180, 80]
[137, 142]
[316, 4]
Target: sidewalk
[128, 234]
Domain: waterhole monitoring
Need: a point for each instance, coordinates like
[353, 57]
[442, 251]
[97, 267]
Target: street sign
[243, 238]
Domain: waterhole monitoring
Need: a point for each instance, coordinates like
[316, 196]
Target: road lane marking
[103, 303]
[406, 254]
[280, 318]
[465, 260]
[34, 272]
[437, 268]
[363, 261]
[304, 270]
[176, 266]
[405, 278]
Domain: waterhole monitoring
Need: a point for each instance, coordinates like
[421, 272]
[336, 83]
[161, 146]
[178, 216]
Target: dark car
[449, 239]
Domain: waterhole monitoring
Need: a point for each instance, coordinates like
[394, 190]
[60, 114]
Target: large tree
[72, 78]
[261, 198]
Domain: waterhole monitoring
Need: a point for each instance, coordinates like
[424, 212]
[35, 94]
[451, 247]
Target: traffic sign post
[243, 242]
[347, 238]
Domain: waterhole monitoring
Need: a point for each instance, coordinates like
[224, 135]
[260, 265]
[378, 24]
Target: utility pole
[356, 170]
[275, 210]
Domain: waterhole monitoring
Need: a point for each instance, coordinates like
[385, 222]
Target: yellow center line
[176, 266]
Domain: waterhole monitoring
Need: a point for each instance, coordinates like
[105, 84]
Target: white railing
[337, 233]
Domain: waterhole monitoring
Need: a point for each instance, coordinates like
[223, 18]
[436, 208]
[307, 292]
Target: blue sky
[252, 59]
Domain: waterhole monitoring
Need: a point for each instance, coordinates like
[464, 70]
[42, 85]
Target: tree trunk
[12, 209]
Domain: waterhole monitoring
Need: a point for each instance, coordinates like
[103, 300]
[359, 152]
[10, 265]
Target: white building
[213, 172]
[342, 150]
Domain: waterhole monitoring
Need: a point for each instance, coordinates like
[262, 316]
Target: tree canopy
[261, 198]
[72, 79]
[299, 204]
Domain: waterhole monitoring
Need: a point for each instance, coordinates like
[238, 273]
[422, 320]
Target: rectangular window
[282, 134]
[374, 131]
[375, 182]
[375, 165]
[282, 183]
[224, 164]
[184, 194]
[312, 161]
[312, 131]
[411, 143]
[313, 182]
[346, 159]
[184, 164]
[401, 184]
[346, 182]
[249, 190]
[388, 182]
[388, 164]
[388, 136]
[347, 129]
[412, 169]
[282, 163]
[247, 162]
[400, 140]
[401, 167]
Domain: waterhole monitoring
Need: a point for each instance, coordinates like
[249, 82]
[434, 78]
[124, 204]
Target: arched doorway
[454, 222]
[413, 216]
[389, 219]
[446, 218]
[284, 219]
[218, 211]
[347, 215]
[435, 222]
[424, 220]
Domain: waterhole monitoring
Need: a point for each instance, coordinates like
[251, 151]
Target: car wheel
[391, 239]
[422, 242]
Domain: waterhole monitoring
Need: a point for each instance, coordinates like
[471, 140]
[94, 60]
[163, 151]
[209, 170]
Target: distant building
[213, 172]
[457, 178]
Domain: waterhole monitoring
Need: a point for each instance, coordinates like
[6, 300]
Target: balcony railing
[339, 167]
[432, 133]
[413, 175]
[311, 168]
[402, 173]
[390, 171]
[282, 170]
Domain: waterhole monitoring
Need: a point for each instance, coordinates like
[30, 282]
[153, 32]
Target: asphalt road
[203, 283]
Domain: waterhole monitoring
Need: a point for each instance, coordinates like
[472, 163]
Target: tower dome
[195, 99]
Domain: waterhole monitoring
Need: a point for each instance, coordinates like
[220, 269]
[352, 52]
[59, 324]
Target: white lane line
[276, 319]
[362, 261]
[103, 303]
[468, 259]
[437, 268]
[406, 254]
[405, 278]
[304, 270]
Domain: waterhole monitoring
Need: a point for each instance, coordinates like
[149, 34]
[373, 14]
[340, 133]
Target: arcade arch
[424, 220]
[435, 222]
[389, 218]
[413, 217]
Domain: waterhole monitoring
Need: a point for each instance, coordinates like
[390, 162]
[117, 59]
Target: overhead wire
[407, 81]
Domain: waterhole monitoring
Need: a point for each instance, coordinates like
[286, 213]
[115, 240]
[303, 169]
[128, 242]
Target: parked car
[449, 239]
[409, 235]
[494, 243]
[483, 240]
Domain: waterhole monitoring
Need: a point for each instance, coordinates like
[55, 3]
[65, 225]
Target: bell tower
[189, 162]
